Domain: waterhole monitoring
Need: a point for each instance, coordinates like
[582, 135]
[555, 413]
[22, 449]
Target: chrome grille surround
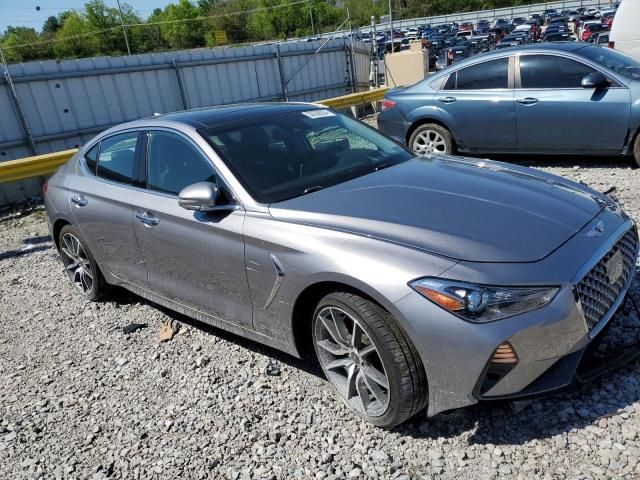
[598, 298]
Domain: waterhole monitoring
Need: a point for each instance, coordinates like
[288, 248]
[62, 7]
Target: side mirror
[201, 197]
[595, 80]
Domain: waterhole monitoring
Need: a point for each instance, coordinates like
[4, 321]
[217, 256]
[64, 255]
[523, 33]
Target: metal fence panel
[65, 103]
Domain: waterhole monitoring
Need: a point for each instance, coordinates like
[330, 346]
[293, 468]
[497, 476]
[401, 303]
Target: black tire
[636, 150]
[432, 144]
[407, 392]
[99, 287]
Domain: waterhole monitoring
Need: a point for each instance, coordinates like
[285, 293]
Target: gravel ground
[79, 398]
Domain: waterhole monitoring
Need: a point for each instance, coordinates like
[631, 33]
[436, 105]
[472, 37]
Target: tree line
[96, 29]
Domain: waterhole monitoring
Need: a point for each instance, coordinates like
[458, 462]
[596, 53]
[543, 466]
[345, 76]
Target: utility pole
[311, 15]
[391, 24]
[124, 30]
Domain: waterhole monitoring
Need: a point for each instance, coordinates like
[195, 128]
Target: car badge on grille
[596, 230]
[614, 267]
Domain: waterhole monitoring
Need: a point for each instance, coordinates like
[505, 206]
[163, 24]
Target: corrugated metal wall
[65, 103]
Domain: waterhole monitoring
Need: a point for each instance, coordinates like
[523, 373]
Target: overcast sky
[24, 13]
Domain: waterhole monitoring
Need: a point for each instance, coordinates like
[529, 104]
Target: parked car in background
[601, 38]
[468, 281]
[556, 37]
[556, 96]
[591, 29]
[625, 30]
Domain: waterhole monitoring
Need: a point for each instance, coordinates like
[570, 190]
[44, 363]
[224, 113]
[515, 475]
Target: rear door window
[551, 71]
[117, 157]
[483, 76]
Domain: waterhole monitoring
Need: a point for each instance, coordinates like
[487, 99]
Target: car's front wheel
[368, 359]
[431, 138]
[81, 267]
[636, 150]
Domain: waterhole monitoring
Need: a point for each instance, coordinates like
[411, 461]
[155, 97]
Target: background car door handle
[447, 99]
[79, 200]
[527, 100]
[147, 219]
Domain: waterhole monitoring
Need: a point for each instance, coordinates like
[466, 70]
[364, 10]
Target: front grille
[597, 292]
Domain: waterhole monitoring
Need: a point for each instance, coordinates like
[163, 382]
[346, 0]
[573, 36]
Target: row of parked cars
[539, 97]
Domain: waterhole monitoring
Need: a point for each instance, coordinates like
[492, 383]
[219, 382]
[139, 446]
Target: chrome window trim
[85, 170]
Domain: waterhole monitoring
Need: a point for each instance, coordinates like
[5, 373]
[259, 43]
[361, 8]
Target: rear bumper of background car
[391, 123]
[551, 345]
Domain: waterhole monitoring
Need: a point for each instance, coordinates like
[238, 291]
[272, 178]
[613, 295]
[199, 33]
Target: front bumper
[550, 344]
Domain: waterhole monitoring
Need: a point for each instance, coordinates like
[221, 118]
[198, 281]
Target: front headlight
[479, 303]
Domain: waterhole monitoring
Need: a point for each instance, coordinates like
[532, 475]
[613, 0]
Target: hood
[465, 209]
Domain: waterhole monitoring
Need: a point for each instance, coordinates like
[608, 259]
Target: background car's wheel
[368, 359]
[431, 138]
[636, 149]
[80, 265]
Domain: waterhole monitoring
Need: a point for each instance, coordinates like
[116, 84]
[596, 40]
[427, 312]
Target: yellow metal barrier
[354, 98]
[40, 165]
[43, 165]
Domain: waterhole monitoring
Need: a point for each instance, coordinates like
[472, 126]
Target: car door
[478, 102]
[195, 259]
[101, 197]
[554, 113]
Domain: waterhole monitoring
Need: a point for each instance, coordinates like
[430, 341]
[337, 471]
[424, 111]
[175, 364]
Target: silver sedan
[416, 282]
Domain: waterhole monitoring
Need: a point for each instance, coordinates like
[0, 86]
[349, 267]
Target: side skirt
[208, 319]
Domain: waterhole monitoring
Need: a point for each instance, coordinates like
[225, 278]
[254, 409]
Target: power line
[147, 24]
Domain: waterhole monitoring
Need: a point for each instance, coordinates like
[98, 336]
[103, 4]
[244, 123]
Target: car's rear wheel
[636, 149]
[368, 359]
[431, 139]
[81, 267]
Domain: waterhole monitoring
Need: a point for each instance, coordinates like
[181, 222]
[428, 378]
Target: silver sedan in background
[418, 282]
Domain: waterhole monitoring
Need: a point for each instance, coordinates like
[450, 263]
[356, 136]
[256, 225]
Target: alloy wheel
[429, 141]
[76, 263]
[351, 361]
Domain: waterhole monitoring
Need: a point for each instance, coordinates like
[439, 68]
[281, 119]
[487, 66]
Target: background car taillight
[387, 104]
[45, 188]
[612, 45]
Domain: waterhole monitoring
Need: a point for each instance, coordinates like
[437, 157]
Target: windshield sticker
[318, 113]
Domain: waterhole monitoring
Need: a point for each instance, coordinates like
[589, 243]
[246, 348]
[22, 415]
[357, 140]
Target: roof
[212, 116]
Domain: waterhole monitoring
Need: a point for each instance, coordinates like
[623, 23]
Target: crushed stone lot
[80, 398]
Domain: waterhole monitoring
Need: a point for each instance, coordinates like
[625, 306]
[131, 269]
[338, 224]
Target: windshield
[614, 60]
[290, 154]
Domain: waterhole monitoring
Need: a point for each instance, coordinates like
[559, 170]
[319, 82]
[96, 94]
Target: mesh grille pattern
[596, 291]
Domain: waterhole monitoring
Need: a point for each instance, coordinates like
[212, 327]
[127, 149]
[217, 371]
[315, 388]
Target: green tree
[180, 29]
[22, 44]
[76, 38]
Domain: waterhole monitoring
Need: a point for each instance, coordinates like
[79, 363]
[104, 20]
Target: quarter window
[484, 76]
[550, 71]
[173, 164]
[117, 157]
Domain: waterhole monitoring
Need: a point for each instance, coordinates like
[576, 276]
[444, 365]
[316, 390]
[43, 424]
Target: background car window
[91, 158]
[550, 71]
[117, 156]
[484, 76]
[173, 164]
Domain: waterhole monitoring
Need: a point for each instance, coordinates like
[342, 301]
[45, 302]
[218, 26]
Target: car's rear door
[554, 113]
[101, 196]
[477, 100]
[195, 259]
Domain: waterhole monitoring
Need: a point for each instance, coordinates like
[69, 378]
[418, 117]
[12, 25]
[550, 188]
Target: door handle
[148, 219]
[447, 99]
[79, 200]
[527, 100]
